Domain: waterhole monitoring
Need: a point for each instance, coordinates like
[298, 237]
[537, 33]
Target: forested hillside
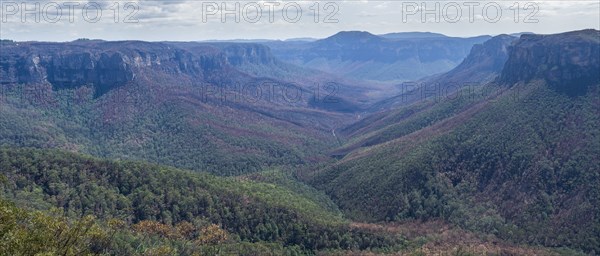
[152, 203]
[519, 163]
[173, 127]
[174, 148]
[483, 64]
[185, 107]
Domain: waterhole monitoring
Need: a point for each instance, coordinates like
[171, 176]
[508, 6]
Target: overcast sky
[184, 20]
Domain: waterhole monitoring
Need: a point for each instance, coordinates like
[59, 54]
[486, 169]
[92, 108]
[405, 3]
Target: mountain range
[390, 58]
[355, 144]
[512, 157]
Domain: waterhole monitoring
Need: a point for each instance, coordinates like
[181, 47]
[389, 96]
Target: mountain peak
[412, 35]
[352, 35]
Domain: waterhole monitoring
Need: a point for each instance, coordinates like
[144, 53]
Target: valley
[205, 148]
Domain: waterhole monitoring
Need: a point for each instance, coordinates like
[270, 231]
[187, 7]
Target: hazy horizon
[295, 38]
[187, 20]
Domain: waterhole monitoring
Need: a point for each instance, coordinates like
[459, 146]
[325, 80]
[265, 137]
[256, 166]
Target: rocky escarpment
[244, 54]
[568, 62]
[104, 65]
[485, 59]
[483, 64]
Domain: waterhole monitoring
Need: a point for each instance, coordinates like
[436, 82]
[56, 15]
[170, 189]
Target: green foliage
[25, 232]
[387, 126]
[286, 180]
[523, 169]
[156, 200]
[155, 124]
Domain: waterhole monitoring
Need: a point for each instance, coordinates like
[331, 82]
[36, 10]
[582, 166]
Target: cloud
[182, 20]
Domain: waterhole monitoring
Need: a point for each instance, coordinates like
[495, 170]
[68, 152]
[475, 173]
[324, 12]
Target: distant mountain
[515, 158]
[301, 39]
[364, 56]
[258, 61]
[190, 105]
[505, 165]
[109, 65]
[407, 35]
[521, 33]
[237, 41]
[351, 37]
[483, 64]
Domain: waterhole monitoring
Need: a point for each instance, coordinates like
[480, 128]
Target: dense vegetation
[89, 153]
[389, 125]
[172, 126]
[26, 232]
[163, 198]
[522, 168]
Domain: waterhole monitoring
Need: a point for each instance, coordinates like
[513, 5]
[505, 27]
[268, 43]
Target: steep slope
[519, 164]
[563, 61]
[364, 56]
[141, 194]
[133, 208]
[155, 101]
[258, 60]
[105, 65]
[463, 84]
[483, 64]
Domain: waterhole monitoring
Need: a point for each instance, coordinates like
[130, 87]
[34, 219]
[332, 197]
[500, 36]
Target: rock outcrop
[103, 65]
[568, 62]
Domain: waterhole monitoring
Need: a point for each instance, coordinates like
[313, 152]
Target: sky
[188, 20]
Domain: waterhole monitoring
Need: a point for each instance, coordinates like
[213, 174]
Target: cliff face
[568, 62]
[243, 54]
[489, 56]
[105, 65]
[104, 70]
[483, 64]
